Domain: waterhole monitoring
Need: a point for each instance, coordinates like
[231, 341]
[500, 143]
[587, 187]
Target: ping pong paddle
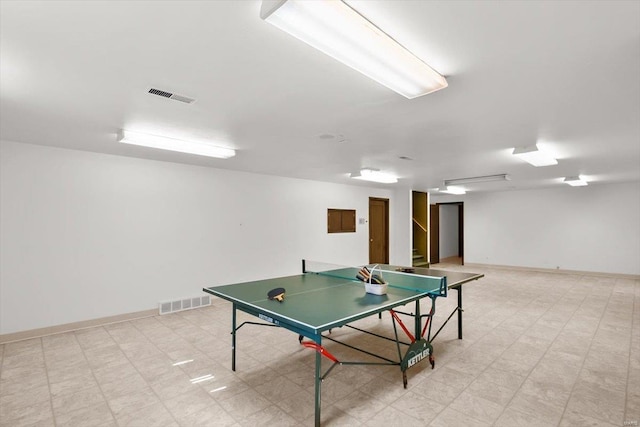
[364, 275]
[277, 294]
[377, 280]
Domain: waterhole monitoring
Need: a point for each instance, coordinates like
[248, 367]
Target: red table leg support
[320, 349]
[404, 328]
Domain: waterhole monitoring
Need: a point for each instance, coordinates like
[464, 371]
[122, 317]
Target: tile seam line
[75, 337]
[527, 376]
[173, 417]
[628, 388]
[46, 372]
[587, 353]
[147, 338]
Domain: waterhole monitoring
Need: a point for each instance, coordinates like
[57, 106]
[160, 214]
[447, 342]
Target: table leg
[318, 385]
[459, 289]
[233, 338]
[418, 321]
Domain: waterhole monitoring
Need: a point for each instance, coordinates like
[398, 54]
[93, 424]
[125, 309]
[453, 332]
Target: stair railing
[415, 221]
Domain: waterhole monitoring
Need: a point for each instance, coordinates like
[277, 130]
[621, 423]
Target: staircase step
[421, 264]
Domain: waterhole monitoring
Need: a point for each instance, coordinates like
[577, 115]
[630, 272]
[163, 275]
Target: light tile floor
[539, 349]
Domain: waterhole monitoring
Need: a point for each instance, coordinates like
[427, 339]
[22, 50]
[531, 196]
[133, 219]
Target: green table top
[317, 302]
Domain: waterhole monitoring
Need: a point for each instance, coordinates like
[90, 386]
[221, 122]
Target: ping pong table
[324, 297]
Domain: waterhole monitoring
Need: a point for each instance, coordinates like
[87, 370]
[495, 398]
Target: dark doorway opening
[447, 233]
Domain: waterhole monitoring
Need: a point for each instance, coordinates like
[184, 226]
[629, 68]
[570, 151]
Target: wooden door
[434, 239]
[378, 231]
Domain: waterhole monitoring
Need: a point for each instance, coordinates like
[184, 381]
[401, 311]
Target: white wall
[448, 236]
[401, 228]
[87, 235]
[594, 228]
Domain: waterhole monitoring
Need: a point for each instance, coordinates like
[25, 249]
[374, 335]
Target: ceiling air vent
[171, 96]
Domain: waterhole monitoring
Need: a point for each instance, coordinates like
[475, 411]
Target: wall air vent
[167, 307]
[170, 95]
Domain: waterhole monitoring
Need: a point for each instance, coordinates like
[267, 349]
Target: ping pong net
[436, 286]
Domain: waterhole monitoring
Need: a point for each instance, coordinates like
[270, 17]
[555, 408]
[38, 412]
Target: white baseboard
[554, 270]
[68, 327]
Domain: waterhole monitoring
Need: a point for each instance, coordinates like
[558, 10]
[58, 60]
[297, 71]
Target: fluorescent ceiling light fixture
[534, 156]
[476, 179]
[374, 175]
[575, 181]
[164, 143]
[452, 189]
[339, 31]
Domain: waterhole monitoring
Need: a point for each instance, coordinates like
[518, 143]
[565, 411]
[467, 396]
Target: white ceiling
[565, 74]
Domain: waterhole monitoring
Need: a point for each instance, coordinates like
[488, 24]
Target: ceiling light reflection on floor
[202, 379]
[183, 362]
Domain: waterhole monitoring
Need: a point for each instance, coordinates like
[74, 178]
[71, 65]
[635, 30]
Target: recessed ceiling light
[374, 175]
[534, 156]
[575, 181]
[452, 189]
